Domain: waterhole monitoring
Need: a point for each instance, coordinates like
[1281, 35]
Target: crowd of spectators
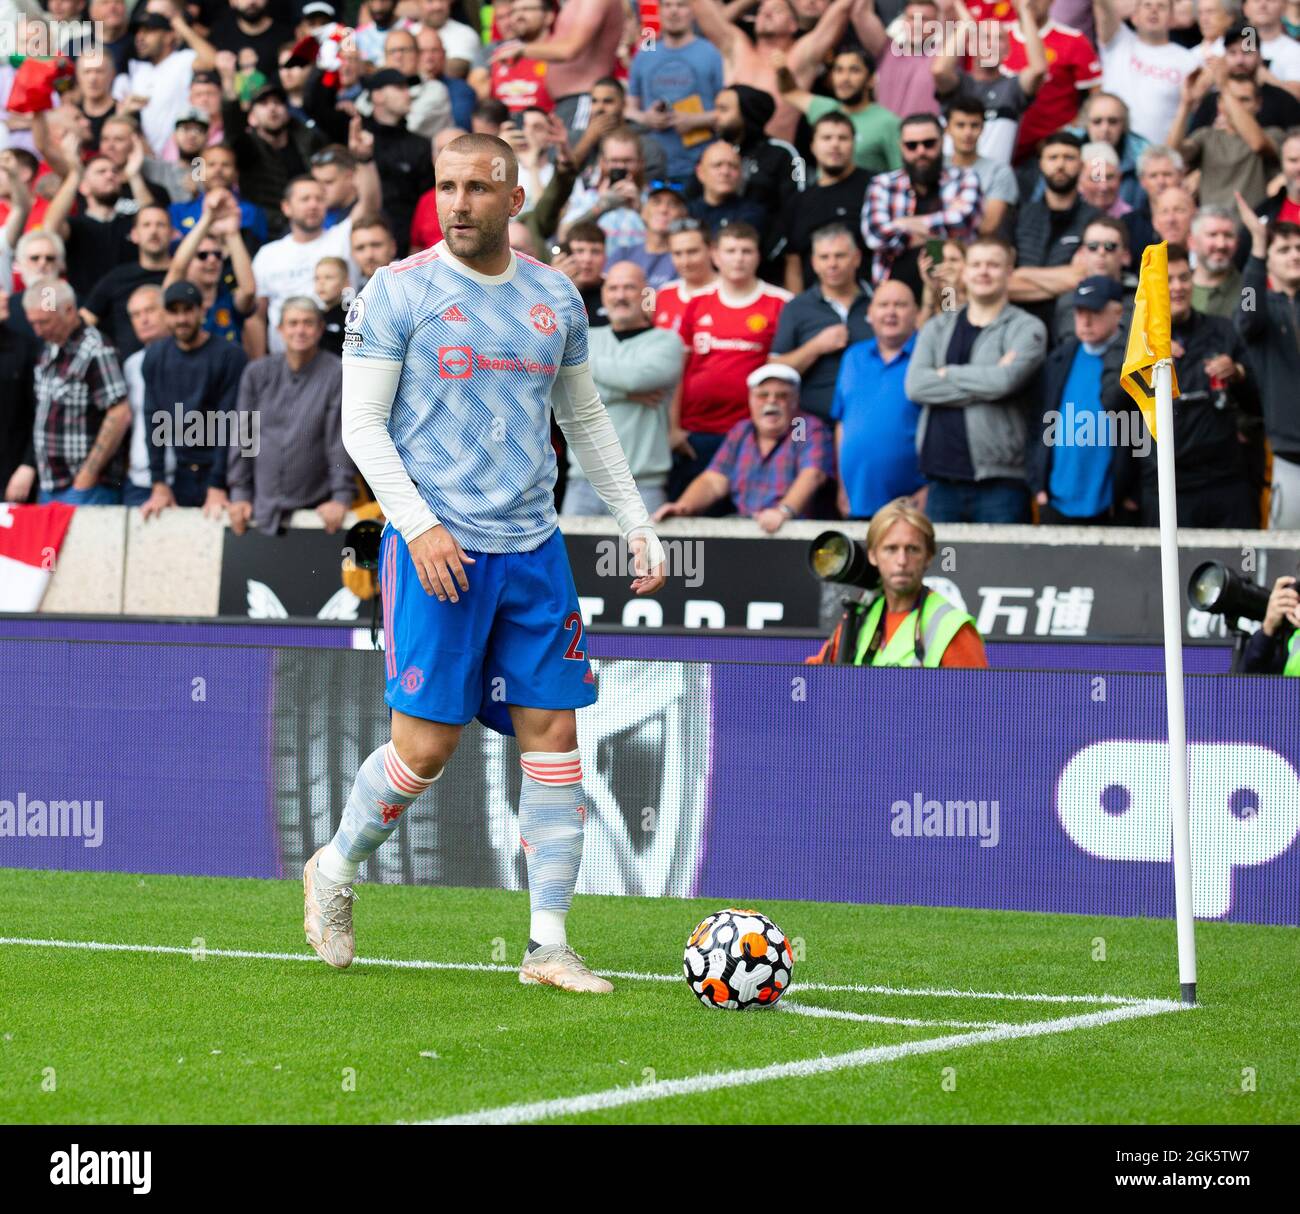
[833, 252]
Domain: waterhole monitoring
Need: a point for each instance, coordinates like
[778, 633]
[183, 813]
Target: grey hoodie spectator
[972, 372]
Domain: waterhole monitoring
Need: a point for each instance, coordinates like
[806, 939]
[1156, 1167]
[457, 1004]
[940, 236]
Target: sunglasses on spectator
[915, 145]
[208, 255]
[684, 225]
[676, 186]
[1093, 246]
[329, 156]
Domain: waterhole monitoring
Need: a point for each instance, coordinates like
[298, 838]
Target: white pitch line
[832, 1013]
[247, 954]
[954, 993]
[612, 1098]
[629, 975]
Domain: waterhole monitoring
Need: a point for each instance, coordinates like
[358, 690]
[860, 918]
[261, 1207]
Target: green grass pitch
[110, 1036]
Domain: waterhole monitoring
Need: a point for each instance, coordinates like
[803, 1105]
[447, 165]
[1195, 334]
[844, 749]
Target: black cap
[206, 78]
[270, 90]
[389, 75]
[182, 293]
[1096, 292]
[153, 21]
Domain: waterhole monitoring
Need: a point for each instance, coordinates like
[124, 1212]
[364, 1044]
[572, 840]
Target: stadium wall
[998, 789]
[1020, 583]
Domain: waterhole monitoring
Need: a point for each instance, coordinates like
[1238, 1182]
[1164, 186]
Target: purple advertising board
[1039, 791]
[1059, 783]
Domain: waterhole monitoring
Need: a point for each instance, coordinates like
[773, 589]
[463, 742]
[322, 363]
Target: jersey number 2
[573, 652]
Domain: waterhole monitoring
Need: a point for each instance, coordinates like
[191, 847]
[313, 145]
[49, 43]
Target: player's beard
[487, 238]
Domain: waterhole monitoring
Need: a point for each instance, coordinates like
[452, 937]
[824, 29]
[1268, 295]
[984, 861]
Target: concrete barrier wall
[91, 565]
[113, 562]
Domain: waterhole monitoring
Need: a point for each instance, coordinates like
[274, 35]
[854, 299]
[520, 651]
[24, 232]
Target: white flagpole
[1173, 613]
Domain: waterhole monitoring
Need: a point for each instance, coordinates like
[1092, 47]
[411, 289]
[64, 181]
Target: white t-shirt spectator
[461, 42]
[1148, 79]
[167, 85]
[1281, 54]
[287, 267]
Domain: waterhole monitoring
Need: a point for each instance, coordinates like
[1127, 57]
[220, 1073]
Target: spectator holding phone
[672, 88]
[615, 201]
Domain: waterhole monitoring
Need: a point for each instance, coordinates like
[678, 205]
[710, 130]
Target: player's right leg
[432, 659]
[386, 783]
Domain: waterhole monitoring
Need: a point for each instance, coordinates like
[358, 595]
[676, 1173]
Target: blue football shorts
[515, 637]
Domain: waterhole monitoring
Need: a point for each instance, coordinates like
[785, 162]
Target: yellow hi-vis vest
[1292, 656]
[939, 622]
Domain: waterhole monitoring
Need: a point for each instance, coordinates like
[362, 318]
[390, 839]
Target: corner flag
[1150, 336]
[1148, 377]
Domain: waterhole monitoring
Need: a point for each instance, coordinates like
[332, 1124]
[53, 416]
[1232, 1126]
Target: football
[738, 959]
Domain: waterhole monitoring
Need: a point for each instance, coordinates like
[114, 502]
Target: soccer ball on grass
[738, 959]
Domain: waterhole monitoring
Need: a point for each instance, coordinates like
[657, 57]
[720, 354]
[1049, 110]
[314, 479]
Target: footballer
[453, 361]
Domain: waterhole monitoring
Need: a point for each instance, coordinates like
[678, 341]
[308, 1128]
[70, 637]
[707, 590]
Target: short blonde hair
[900, 510]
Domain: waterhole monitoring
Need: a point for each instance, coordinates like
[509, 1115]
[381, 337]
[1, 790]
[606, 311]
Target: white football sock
[335, 868]
[547, 927]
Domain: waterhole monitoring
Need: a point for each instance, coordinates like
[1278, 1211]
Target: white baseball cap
[773, 371]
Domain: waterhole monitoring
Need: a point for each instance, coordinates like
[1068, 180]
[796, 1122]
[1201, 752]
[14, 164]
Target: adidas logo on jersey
[455, 314]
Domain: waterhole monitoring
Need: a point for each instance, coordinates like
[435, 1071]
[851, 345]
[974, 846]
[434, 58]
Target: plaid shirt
[76, 385]
[890, 197]
[757, 480]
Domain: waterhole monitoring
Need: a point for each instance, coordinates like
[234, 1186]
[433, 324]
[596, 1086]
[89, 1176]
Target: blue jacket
[1052, 378]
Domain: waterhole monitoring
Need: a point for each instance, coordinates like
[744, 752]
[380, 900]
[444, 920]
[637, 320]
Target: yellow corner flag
[1150, 334]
